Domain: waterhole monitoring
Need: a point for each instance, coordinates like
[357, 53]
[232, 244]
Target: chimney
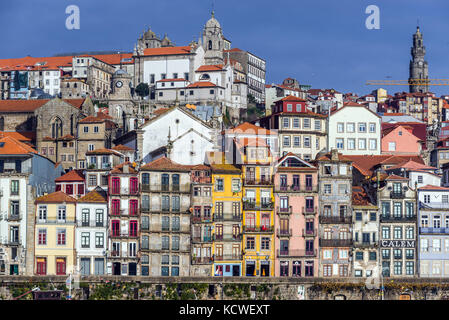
[334, 155]
[126, 168]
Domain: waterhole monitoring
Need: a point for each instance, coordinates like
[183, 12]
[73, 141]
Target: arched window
[205, 76]
[210, 45]
[56, 128]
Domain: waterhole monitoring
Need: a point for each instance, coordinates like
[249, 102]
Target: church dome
[212, 22]
[149, 34]
[166, 42]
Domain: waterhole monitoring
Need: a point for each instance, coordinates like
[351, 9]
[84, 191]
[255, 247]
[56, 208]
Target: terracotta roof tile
[94, 197]
[249, 128]
[164, 164]
[10, 145]
[72, 175]
[167, 51]
[430, 187]
[119, 168]
[211, 67]
[121, 147]
[293, 98]
[21, 136]
[395, 177]
[202, 84]
[55, 197]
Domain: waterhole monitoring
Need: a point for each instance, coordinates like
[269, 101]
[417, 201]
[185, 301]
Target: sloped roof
[433, 188]
[55, 197]
[164, 164]
[21, 136]
[210, 67]
[167, 51]
[118, 169]
[94, 197]
[72, 175]
[14, 146]
[412, 165]
[367, 163]
[292, 98]
[100, 117]
[328, 157]
[395, 177]
[360, 198]
[121, 147]
[202, 84]
[249, 128]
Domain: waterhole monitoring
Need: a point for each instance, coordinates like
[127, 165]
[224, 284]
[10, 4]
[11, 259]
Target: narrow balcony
[281, 233]
[14, 217]
[428, 230]
[296, 253]
[227, 217]
[258, 229]
[335, 242]
[309, 233]
[202, 260]
[203, 239]
[297, 188]
[124, 191]
[282, 210]
[252, 205]
[402, 218]
[90, 223]
[200, 219]
[165, 188]
[227, 237]
[226, 257]
[310, 211]
[250, 181]
[202, 180]
[336, 219]
[397, 194]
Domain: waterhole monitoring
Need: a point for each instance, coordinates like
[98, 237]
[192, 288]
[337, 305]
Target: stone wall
[214, 288]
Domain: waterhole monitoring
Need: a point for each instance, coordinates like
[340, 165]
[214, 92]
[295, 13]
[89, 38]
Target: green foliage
[143, 90]
[237, 291]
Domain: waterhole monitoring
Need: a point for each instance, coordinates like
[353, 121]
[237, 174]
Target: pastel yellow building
[258, 206]
[227, 216]
[54, 244]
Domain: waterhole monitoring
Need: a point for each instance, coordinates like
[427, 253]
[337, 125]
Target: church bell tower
[419, 68]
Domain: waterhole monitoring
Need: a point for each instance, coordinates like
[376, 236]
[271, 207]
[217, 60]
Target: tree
[143, 90]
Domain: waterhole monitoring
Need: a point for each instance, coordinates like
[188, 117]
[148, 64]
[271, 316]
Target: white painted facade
[178, 122]
[13, 217]
[355, 130]
[423, 178]
[95, 227]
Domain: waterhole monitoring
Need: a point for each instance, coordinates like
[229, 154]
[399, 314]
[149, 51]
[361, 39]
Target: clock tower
[419, 68]
[121, 105]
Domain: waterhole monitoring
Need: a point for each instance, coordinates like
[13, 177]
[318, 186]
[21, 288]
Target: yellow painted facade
[229, 247]
[258, 212]
[51, 251]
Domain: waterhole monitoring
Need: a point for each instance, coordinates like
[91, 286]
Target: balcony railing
[258, 229]
[258, 182]
[227, 237]
[335, 242]
[364, 244]
[197, 239]
[202, 260]
[309, 211]
[55, 221]
[282, 210]
[252, 205]
[200, 219]
[124, 235]
[296, 253]
[227, 217]
[397, 194]
[283, 233]
[430, 230]
[309, 233]
[124, 191]
[296, 188]
[389, 218]
[201, 179]
[14, 217]
[434, 205]
[228, 257]
[90, 223]
[125, 212]
[182, 188]
[335, 219]
[158, 209]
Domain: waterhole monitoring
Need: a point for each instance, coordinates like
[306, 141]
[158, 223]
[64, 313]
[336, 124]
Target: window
[359, 255]
[372, 144]
[219, 185]
[327, 189]
[61, 237]
[286, 141]
[85, 240]
[14, 187]
[285, 122]
[61, 213]
[362, 144]
[351, 144]
[397, 232]
[96, 129]
[340, 143]
[296, 123]
[358, 216]
[250, 243]
[297, 141]
[306, 123]
[373, 256]
[372, 127]
[317, 124]
[289, 107]
[409, 267]
[340, 127]
[42, 237]
[362, 127]
[265, 243]
[385, 232]
[350, 127]
[391, 146]
[306, 142]
[398, 267]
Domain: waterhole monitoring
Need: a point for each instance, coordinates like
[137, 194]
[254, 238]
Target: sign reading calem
[397, 243]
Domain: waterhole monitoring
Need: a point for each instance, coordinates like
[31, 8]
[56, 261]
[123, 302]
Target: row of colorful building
[245, 212]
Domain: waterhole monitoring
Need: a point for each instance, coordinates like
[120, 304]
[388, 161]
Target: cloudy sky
[323, 43]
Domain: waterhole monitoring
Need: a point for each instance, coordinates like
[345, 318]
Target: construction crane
[416, 82]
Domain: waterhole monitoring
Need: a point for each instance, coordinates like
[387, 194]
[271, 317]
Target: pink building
[400, 140]
[296, 223]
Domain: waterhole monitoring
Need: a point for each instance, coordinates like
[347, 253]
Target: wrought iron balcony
[335, 242]
[14, 217]
[227, 237]
[124, 191]
[252, 205]
[296, 188]
[202, 179]
[402, 218]
[258, 229]
[258, 182]
[181, 188]
[296, 253]
[397, 194]
[200, 219]
[202, 260]
[90, 223]
[309, 211]
[232, 257]
[309, 233]
[427, 230]
[227, 217]
[283, 233]
[335, 219]
[282, 210]
[199, 239]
